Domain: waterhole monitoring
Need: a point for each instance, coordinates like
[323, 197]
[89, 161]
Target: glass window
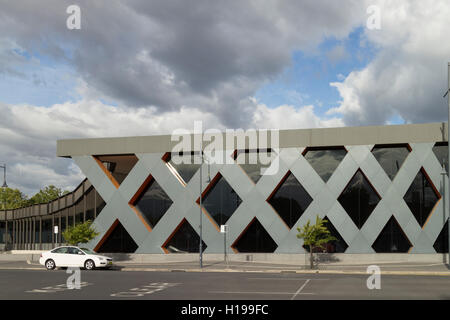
[60, 250]
[359, 199]
[119, 165]
[184, 240]
[79, 212]
[100, 203]
[255, 239]
[119, 240]
[70, 219]
[184, 164]
[253, 161]
[290, 200]
[63, 225]
[440, 150]
[90, 204]
[2, 231]
[391, 239]
[153, 203]
[324, 159]
[47, 230]
[421, 197]
[441, 243]
[391, 157]
[220, 201]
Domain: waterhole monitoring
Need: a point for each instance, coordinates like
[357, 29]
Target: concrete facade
[358, 141]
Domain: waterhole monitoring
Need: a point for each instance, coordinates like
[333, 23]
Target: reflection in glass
[63, 226]
[440, 150]
[324, 159]
[2, 231]
[221, 201]
[255, 239]
[441, 243]
[185, 164]
[47, 230]
[359, 199]
[391, 239]
[391, 157]
[421, 197]
[119, 165]
[252, 161]
[90, 205]
[100, 203]
[153, 203]
[290, 200]
[184, 240]
[118, 241]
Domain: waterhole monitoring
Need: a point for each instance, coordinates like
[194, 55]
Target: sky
[144, 67]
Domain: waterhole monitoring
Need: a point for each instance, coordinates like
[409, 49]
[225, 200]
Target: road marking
[144, 290]
[299, 279]
[57, 288]
[258, 292]
[300, 289]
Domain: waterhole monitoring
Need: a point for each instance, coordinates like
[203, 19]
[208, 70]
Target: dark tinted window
[324, 159]
[440, 150]
[119, 240]
[119, 165]
[221, 201]
[252, 161]
[441, 243]
[255, 239]
[290, 200]
[185, 239]
[47, 230]
[153, 203]
[391, 157]
[391, 239]
[185, 164]
[359, 199]
[421, 197]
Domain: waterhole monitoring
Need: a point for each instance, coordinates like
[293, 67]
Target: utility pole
[448, 160]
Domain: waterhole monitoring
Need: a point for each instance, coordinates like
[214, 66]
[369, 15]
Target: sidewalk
[435, 269]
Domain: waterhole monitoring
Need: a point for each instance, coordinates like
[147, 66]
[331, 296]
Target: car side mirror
[79, 252]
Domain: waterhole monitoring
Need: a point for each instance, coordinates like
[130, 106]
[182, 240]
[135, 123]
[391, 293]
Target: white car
[69, 256]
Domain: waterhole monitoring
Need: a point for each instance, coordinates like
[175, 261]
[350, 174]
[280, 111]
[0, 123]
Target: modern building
[380, 187]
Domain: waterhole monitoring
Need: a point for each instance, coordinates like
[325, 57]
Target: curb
[416, 273]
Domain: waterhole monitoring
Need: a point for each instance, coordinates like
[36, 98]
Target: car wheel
[50, 264]
[89, 265]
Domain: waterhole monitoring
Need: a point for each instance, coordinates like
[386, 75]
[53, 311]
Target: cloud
[210, 55]
[28, 133]
[408, 76]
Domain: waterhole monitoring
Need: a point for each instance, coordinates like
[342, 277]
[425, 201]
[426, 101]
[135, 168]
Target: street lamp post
[448, 160]
[4, 186]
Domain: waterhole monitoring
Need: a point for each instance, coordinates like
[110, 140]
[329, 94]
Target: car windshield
[88, 251]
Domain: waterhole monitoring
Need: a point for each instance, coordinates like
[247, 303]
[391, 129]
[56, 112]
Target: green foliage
[81, 233]
[12, 199]
[47, 194]
[315, 235]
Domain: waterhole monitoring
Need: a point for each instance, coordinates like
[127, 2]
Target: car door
[76, 257]
[60, 257]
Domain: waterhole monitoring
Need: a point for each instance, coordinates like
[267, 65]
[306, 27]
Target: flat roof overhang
[387, 134]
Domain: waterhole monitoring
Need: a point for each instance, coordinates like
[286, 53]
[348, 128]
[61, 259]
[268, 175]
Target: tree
[81, 233]
[47, 194]
[315, 236]
[12, 199]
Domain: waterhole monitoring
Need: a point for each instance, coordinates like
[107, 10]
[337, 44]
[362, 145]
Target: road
[111, 284]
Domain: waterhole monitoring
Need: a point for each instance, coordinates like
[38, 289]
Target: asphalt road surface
[111, 284]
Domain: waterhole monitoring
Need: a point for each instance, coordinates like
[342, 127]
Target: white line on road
[299, 279]
[300, 289]
[256, 292]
